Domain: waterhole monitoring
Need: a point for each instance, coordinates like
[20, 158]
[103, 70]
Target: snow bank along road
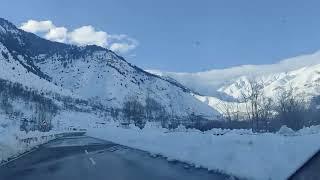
[85, 158]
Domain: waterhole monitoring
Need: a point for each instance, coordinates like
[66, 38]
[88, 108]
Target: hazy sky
[187, 35]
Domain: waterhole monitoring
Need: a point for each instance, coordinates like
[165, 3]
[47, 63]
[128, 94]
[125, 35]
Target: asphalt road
[86, 158]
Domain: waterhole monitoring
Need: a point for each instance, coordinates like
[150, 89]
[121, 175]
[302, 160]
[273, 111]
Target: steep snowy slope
[105, 76]
[91, 72]
[13, 70]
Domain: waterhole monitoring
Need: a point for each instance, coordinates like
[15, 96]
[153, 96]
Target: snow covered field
[239, 152]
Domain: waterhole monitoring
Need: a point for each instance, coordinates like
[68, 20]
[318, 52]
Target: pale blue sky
[189, 35]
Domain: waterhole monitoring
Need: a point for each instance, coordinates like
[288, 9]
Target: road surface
[86, 158]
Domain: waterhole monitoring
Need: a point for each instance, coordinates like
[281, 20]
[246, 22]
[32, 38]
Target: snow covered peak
[209, 82]
[6, 26]
[301, 73]
[305, 80]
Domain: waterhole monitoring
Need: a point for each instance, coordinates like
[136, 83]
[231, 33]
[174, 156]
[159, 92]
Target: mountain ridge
[228, 85]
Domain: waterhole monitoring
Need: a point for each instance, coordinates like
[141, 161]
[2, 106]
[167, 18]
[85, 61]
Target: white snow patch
[239, 152]
[11, 144]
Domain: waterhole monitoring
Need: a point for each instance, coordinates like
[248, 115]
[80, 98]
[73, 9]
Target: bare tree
[226, 110]
[258, 106]
[230, 110]
[314, 111]
[251, 96]
[133, 110]
[291, 108]
[265, 112]
[154, 110]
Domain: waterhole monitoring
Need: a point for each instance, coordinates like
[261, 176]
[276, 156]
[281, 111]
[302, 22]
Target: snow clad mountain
[90, 72]
[99, 75]
[227, 85]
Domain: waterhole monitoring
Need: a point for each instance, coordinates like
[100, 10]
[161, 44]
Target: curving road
[86, 158]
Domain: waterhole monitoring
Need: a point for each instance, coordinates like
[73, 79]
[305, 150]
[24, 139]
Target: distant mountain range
[301, 73]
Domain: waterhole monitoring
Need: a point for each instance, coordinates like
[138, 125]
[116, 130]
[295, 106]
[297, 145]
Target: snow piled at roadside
[12, 146]
[240, 153]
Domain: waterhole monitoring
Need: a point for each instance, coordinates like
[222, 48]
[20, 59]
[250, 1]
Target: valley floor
[240, 153]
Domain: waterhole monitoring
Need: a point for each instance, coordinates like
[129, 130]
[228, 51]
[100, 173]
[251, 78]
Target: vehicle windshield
[183, 90]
